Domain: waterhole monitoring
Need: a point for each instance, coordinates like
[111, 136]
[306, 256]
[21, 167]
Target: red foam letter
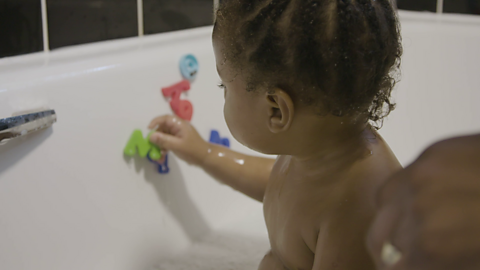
[182, 108]
[176, 89]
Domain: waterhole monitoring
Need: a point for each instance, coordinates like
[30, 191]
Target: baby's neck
[335, 149]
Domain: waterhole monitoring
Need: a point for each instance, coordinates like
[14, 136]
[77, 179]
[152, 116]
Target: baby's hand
[180, 137]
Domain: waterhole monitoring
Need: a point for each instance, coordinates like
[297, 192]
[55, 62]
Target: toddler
[308, 81]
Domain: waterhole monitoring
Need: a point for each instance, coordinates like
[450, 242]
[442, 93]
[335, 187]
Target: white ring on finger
[390, 254]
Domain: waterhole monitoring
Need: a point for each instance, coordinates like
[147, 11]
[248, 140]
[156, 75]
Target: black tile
[170, 15]
[418, 5]
[462, 6]
[20, 27]
[73, 22]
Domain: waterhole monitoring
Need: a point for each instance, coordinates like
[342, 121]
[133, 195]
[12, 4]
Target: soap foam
[220, 251]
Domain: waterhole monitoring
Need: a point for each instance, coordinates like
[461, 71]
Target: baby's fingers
[167, 124]
[159, 121]
[165, 142]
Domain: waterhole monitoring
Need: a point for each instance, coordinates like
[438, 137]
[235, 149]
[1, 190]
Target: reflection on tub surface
[172, 193]
[14, 150]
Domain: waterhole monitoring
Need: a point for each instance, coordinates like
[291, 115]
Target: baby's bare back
[318, 218]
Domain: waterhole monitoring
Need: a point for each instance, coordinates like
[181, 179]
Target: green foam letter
[143, 145]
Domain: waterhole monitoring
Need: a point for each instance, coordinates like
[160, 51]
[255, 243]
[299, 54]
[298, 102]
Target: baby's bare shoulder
[368, 174]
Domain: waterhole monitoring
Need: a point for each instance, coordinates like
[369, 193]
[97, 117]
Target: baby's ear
[280, 111]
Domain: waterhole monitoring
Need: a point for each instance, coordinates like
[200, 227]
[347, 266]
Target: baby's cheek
[227, 114]
[232, 122]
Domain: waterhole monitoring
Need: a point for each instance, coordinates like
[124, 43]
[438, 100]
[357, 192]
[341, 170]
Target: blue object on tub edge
[189, 67]
[226, 142]
[215, 138]
[162, 168]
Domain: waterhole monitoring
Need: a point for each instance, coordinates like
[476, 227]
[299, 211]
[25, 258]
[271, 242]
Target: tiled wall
[20, 27]
[418, 5]
[169, 15]
[445, 6]
[72, 22]
[462, 6]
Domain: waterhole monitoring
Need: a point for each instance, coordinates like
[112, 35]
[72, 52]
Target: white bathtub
[69, 199]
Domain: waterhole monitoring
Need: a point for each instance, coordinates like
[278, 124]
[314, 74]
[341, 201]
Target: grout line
[215, 7]
[140, 17]
[46, 45]
[439, 6]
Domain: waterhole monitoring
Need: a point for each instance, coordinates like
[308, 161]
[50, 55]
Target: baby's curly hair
[342, 56]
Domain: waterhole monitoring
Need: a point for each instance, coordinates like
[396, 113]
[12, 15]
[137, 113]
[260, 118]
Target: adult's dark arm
[429, 213]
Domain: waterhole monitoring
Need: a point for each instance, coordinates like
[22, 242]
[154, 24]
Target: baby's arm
[247, 174]
[244, 173]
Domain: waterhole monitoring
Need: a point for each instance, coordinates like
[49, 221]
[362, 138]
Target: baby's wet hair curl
[341, 56]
